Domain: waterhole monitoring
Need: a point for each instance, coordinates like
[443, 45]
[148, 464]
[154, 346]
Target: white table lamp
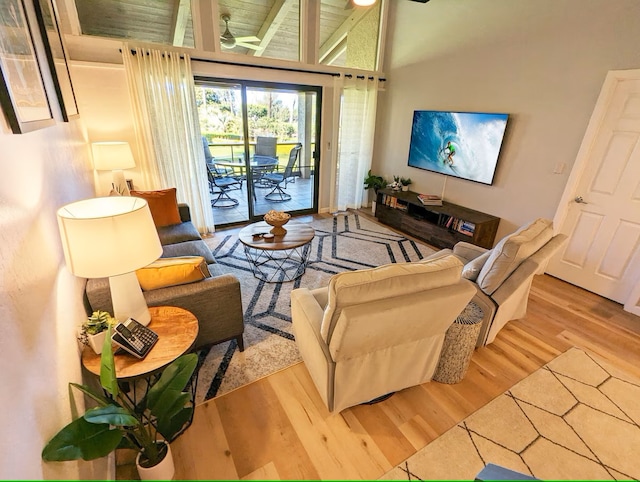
[114, 156]
[111, 237]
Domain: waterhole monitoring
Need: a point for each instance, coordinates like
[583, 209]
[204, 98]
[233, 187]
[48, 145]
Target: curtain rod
[269, 67]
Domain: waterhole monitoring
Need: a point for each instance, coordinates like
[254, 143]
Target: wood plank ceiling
[271, 25]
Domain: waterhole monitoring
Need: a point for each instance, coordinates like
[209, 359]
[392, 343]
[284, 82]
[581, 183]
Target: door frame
[613, 77]
[244, 84]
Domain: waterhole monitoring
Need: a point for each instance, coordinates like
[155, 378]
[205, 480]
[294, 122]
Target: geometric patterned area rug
[345, 242]
[576, 418]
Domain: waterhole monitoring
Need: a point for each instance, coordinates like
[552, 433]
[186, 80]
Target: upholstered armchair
[503, 275]
[376, 331]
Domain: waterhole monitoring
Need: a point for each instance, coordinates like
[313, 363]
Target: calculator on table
[134, 338]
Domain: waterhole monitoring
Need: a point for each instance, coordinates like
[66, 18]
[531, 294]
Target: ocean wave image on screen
[475, 137]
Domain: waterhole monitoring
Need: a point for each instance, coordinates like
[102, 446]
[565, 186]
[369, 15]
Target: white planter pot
[405, 188]
[96, 341]
[165, 470]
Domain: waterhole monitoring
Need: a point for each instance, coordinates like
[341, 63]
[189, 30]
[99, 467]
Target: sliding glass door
[260, 143]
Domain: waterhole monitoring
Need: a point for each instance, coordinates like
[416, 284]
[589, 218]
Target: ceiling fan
[367, 3]
[228, 41]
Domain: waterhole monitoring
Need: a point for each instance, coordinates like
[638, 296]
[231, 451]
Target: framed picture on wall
[23, 96]
[57, 57]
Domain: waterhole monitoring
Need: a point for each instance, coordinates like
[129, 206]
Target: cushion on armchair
[472, 269]
[388, 281]
[507, 255]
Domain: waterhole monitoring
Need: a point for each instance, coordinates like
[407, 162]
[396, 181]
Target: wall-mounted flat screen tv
[460, 144]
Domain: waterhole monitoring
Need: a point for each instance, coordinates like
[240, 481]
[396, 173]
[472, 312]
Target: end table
[177, 330]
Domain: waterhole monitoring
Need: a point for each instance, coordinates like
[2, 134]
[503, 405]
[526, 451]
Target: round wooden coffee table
[283, 258]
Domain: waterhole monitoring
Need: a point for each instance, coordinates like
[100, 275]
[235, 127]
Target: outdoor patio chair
[219, 170]
[265, 159]
[219, 187]
[279, 178]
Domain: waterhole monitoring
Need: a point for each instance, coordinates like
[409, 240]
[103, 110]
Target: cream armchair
[503, 275]
[377, 331]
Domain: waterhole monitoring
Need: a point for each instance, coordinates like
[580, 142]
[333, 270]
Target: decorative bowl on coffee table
[277, 219]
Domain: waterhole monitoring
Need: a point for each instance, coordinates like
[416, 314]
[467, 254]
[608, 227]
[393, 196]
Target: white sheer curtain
[355, 143]
[168, 131]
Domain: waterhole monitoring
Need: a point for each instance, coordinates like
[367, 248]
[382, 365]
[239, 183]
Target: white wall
[541, 61]
[40, 301]
[103, 100]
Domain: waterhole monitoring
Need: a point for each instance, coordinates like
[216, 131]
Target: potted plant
[118, 422]
[375, 182]
[396, 185]
[94, 329]
[405, 182]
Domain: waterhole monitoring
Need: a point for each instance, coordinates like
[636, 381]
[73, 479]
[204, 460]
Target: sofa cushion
[512, 250]
[388, 281]
[163, 205]
[189, 248]
[177, 233]
[172, 271]
[472, 269]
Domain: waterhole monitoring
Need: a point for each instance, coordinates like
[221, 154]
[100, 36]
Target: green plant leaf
[174, 378]
[111, 414]
[98, 397]
[108, 378]
[82, 440]
[170, 426]
[170, 403]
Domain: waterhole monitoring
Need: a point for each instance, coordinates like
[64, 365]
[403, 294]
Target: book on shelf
[460, 225]
[430, 199]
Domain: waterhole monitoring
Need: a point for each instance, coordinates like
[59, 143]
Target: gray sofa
[215, 301]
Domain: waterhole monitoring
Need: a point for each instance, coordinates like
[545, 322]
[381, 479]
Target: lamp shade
[108, 236]
[108, 156]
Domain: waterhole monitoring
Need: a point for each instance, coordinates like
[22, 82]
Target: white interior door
[600, 209]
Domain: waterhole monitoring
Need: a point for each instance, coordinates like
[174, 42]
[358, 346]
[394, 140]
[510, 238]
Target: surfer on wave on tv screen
[449, 151]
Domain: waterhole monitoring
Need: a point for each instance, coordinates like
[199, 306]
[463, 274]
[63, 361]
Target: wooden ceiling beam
[337, 38]
[181, 10]
[336, 52]
[271, 25]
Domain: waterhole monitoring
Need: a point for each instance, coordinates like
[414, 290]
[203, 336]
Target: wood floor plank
[270, 436]
[336, 451]
[203, 451]
[278, 428]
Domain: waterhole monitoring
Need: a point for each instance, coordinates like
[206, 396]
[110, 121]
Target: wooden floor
[278, 428]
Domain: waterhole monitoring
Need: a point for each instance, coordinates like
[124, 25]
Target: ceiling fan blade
[248, 46]
[251, 38]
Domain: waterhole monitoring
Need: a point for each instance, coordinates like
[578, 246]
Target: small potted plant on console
[405, 182]
[94, 329]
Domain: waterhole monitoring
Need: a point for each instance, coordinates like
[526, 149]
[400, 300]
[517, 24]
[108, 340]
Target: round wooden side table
[177, 330]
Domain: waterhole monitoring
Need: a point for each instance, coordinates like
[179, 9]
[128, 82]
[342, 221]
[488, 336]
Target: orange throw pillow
[163, 205]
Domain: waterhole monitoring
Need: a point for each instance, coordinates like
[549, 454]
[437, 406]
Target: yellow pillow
[172, 271]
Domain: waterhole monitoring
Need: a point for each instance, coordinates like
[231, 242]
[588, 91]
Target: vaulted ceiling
[268, 28]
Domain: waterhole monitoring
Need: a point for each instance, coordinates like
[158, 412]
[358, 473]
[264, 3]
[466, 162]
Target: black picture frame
[57, 57]
[23, 95]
